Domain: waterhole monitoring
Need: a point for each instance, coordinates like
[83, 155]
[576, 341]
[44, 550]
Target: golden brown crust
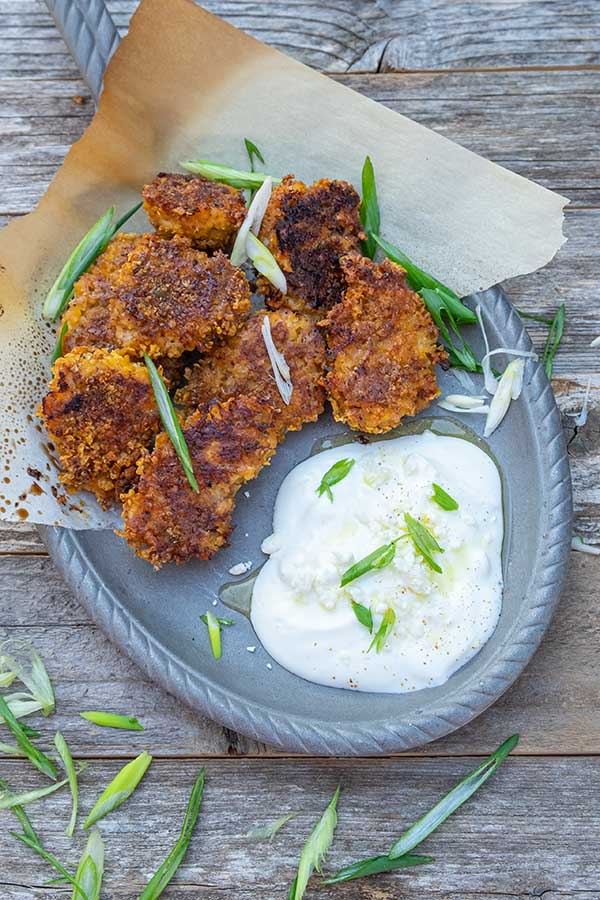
[165, 520]
[382, 348]
[156, 296]
[241, 365]
[207, 213]
[101, 415]
[308, 229]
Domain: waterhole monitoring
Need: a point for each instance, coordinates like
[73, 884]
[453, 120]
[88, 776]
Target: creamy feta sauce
[306, 621]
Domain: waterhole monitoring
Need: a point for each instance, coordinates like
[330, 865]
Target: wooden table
[518, 82]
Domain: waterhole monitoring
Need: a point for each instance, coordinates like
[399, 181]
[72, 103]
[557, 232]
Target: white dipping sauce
[305, 620]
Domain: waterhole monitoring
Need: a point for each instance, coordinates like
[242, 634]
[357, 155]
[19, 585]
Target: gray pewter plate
[154, 617]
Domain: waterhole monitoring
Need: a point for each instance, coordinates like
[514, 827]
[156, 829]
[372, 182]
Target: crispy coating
[207, 213]
[149, 295]
[382, 348]
[308, 229]
[241, 365]
[165, 520]
[101, 415]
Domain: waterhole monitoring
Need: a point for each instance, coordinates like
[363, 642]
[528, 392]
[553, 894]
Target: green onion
[382, 634]
[334, 475]
[21, 815]
[226, 622]
[112, 720]
[224, 174]
[460, 354]
[378, 559]
[90, 869]
[120, 788]
[554, 338]
[84, 254]
[10, 801]
[442, 498]
[267, 832]
[23, 661]
[10, 749]
[425, 543]
[67, 759]
[452, 801]
[264, 262]
[58, 348]
[171, 422]
[167, 869]
[313, 853]
[252, 151]
[35, 756]
[363, 614]
[369, 209]
[214, 633]
[36, 846]
[375, 866]
[418, 279]
[526, 315]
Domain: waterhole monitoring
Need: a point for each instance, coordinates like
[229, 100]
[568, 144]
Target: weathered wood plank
[501, 844]
[555, 704]
[363, 35]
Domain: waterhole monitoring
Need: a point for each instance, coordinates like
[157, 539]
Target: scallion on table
[315, 849]
[555, 334]
[112, 720]
[120, 789]
[38, 759]
[67, 760]
[90, 870]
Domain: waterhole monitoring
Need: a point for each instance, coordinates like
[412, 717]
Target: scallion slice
[67, 760]
[90, 869]
[281, 370]
[334, 475]
[112, 720]
[37, 847]
[363, 614]
[378, 559]
[35, 756]
[387, 623]
[252, 222]
[442, 498]
[226, 175]
[369, 209]
[313, 853]
[423, 540]
[214, 633]
[21, 660]
[9, 800]
[268, 832]
[265, 263]
[555, 333]
[120, 789]
[171, 422]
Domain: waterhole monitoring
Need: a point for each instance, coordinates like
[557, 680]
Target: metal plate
[154, 617]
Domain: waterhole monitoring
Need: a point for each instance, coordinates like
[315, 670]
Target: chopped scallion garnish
[171, 422]
[90, 869]
[378, 559]
[67, 760]
[120, 788]
[9, 800]
[267, 832]
[334, 475]
[167, 869]
[38, 759]
[253, 151]
[214, 632]
[381, 635]
[226, 175]
[264, 262]
[423, 540]
[555, 333]
[35, 845]
[313, 853]
[363, 614]
[369, 209]
[18, 659]
[508, 389]
[281, 370]
[112, 720]
[442, 498]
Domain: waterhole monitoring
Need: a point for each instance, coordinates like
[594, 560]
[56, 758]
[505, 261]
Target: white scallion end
[461, 403]
[595, 342]
[240, 568]
[488, 376]
[510, 384]
[265, 263]
[580, 418]
[578, 543]
[252, 222]
[281, 370]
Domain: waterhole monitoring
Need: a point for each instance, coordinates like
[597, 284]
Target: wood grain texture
[505, 842]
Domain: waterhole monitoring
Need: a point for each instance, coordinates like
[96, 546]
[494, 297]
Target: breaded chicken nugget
[165, 520]
[308, 229]
[156, 296]
[241, 365]
[382, 348]
[208, 213]
[101, 415]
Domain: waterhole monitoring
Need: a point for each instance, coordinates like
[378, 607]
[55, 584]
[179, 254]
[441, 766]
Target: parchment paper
[184, 84]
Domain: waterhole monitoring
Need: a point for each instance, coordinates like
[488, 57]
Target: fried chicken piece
[156, 296]
[308, 229]
[165, 520]
[241, 365]
[101, 415]
[207, 213]
[382, 348]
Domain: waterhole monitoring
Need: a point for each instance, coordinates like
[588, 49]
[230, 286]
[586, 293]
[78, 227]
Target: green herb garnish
[226, 175]
[84, 254]
[555, 333]
[37, 847]
[264, 262]
[314, 851]
[425, 543]
[112, 720]
[171, 422]
[90, 870]
[120, 789]
[67, 760]
[442, 498]
[58, 347]
[214, 632]
[525, 315]
[253, 151]
[225, 622]
[334, 475]
[378, 559]
[20, 813]
[167, 869]
[267, 832]
[383, 632]
[428, 823]
[9, 800]
[35, 756]
[369, 209]
[363, 614]
[18, 659]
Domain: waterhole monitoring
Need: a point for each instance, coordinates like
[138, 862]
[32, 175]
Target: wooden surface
[518, 82]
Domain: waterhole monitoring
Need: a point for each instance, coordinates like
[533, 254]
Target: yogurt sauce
[303, 617]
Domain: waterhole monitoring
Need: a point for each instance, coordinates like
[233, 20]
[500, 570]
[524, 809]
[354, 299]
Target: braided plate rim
[296, 733]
